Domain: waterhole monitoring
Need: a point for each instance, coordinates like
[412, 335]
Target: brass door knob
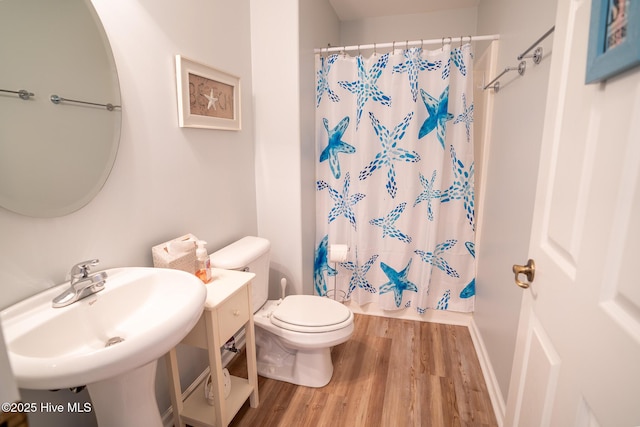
[528, 270]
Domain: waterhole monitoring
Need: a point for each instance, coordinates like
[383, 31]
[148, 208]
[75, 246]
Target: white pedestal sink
[109, 341]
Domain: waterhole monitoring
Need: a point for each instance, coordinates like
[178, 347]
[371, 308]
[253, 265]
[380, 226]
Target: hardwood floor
[391, 373]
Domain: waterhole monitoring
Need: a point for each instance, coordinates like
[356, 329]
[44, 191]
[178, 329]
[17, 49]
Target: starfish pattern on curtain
[397, 188]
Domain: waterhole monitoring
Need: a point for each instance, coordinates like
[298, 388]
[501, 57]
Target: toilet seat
[307, 313]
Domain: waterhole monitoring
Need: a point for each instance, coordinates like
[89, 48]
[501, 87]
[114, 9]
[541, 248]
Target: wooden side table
[227, 309]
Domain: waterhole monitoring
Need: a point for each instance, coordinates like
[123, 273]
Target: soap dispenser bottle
[203, 264]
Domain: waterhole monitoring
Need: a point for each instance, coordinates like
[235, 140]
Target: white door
[577, 359]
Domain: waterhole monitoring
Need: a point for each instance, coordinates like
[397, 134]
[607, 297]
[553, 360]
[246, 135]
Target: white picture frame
[207, 98]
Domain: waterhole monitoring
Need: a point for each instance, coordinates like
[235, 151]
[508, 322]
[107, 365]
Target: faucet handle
[82, 269]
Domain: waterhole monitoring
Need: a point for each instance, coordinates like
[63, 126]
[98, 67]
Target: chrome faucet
[82, 283]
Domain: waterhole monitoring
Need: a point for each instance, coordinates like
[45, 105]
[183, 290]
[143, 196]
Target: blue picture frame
[614, 38]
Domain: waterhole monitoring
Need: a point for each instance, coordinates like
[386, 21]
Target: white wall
[274, 50]
[510, 177]
[319, 26]
[451, 23]
[283, 34]
[166, 181]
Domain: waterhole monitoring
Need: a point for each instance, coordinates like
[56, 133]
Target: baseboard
[490, 379]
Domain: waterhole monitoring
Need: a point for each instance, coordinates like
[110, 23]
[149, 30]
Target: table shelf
[198, 413]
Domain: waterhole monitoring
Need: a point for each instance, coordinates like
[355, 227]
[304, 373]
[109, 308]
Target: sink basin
[140, 315]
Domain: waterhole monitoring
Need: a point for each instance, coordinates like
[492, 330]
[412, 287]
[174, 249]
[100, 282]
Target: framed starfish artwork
[614, 38]
[207, 98]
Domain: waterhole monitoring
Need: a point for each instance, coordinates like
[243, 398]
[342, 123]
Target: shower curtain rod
[406, 44]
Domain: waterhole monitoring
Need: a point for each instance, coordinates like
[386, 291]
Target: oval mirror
[55, 157]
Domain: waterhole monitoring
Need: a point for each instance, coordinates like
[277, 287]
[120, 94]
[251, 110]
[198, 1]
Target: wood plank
[391, 372]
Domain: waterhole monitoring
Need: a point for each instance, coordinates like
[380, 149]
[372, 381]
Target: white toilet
[294, 335]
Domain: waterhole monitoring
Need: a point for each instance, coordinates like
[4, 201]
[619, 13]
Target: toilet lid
[307, 313]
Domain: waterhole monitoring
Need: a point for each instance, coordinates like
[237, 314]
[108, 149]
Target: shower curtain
[394, 178]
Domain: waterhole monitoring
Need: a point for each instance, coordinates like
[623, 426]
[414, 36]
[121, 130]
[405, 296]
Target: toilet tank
[249, 254]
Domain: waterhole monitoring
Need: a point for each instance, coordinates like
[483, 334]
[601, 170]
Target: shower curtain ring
[375, 52]
[359, 54]
[393, 47]
[406, 45]
[421, 44]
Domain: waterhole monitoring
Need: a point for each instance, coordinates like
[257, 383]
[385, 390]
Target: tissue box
[185, 261]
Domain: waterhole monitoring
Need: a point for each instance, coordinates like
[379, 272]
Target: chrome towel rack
[22, 94]
[522, 66]
[537, 54]
[56, 99]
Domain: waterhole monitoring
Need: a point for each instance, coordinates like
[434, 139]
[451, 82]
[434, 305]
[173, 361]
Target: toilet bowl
[294, 335]
[294, 344]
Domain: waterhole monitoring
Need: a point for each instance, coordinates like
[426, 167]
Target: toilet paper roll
[338, 253]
